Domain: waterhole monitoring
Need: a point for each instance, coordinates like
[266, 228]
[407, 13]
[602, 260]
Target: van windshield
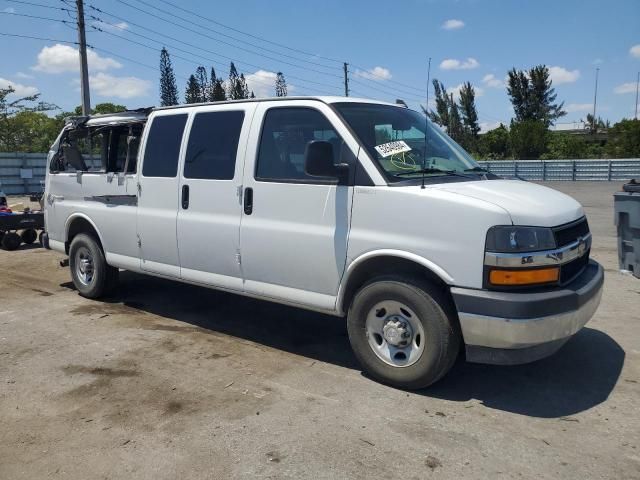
[395, 139]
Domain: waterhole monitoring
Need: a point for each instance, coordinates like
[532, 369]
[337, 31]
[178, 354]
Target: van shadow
[580, 376]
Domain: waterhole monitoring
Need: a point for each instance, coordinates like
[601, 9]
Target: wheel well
[387, 265]
[80, 225]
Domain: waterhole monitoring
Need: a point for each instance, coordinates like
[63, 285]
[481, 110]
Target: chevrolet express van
[345, 206]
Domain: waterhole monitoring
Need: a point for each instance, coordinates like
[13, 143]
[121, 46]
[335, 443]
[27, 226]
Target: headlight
[514, 239]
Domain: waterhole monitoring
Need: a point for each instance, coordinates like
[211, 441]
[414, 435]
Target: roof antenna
[426, 123]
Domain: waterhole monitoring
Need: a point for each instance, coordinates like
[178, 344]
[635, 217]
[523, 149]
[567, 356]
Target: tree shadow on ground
[580, 376]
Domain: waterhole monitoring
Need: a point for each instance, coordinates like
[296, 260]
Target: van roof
[141, 114]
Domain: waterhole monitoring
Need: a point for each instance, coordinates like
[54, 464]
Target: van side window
[285, 134]
[213, 145]
[163, 146]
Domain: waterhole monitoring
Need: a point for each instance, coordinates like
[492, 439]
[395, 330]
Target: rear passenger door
[159, 193]
[210, 206]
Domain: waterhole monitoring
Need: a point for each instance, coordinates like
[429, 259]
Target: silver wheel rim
[84, 265]
[395, 333]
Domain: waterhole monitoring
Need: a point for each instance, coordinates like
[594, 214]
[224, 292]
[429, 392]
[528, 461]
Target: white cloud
[23, 75]
[64, 58]
[9, 10]
[118, 87]
[456, 91]
[263, 84]
[635, 51]
[597, 61]
[453, 64]
[20, 90]
[561, 75]
[110, 27]
[453, 24]
[376, 73]
[629, 87]
[490, 80]
[578, 107]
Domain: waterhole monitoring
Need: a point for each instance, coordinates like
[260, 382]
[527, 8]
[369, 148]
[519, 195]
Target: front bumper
[510, 328]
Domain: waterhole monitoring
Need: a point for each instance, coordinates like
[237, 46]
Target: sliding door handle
[185, 196]
[248, 201]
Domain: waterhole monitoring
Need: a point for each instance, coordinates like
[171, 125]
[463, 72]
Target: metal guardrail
[567, 170]
[23, 173]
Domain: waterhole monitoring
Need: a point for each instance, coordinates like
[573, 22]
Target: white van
[345, 206]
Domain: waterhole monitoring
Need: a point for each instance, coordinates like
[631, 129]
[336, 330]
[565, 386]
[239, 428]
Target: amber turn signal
[524, 277]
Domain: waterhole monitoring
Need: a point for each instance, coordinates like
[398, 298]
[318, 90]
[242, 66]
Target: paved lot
[173, 381]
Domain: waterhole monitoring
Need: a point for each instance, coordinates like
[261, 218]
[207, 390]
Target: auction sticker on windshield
[391, 148]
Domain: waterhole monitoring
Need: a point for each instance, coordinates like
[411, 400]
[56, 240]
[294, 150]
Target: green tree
[281, 85]
[203, 84]
[168, 87]
[456, 130]
[528, 139]
[443, 106]
[23, 122]
[242, 87]
[533, 96]
[563, 145]
[192, 92]
[624, 139]
[495, 144]
[102, 108]
[467, 104]
[235, 89]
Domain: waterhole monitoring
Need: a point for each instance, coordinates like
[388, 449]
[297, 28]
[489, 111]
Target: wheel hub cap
[396, 332]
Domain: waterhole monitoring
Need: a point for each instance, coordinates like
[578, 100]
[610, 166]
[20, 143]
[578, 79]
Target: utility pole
[84, 70]
[595, 98]
[637, 85]
[346, 79]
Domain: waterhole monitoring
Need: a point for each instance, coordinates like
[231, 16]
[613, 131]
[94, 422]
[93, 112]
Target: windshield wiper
[433, 170]
[476, 169]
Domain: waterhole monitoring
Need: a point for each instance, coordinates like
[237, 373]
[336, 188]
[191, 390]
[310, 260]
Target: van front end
[533, 300]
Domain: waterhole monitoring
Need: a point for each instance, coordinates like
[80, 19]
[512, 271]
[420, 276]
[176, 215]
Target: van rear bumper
[510, 328]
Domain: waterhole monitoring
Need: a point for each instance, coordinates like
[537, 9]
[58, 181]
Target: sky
[386, 44]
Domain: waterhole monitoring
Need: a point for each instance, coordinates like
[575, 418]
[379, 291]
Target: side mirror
[319, 160]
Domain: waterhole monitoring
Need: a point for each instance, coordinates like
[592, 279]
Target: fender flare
[76, 215]
[440, 272]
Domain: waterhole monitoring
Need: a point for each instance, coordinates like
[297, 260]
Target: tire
[40, 238]
[29, 236]
[388, 309]
[91, 275]
[11, 241]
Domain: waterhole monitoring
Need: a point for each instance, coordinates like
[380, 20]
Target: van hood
[527, 203]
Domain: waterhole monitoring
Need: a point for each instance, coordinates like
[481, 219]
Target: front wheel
[403, 331]
[91, 275]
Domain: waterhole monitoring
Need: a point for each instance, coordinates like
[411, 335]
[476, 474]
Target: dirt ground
[168, 381]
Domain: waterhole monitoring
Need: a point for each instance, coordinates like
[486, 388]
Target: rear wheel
[91, 275]
[403, 331]
[29, 236]
[11, 241]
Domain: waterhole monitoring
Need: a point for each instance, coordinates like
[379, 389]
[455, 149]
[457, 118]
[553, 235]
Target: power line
[39, 38]
[184, 43]
[250, 34]
[36, 17]
[190, 29]
[193, 62]
[34, 4]
[173, 15]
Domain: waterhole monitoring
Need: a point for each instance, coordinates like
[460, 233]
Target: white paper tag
[391, 148]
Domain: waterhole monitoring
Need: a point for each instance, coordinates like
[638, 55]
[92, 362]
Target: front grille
[569, 232]
[571, 270]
